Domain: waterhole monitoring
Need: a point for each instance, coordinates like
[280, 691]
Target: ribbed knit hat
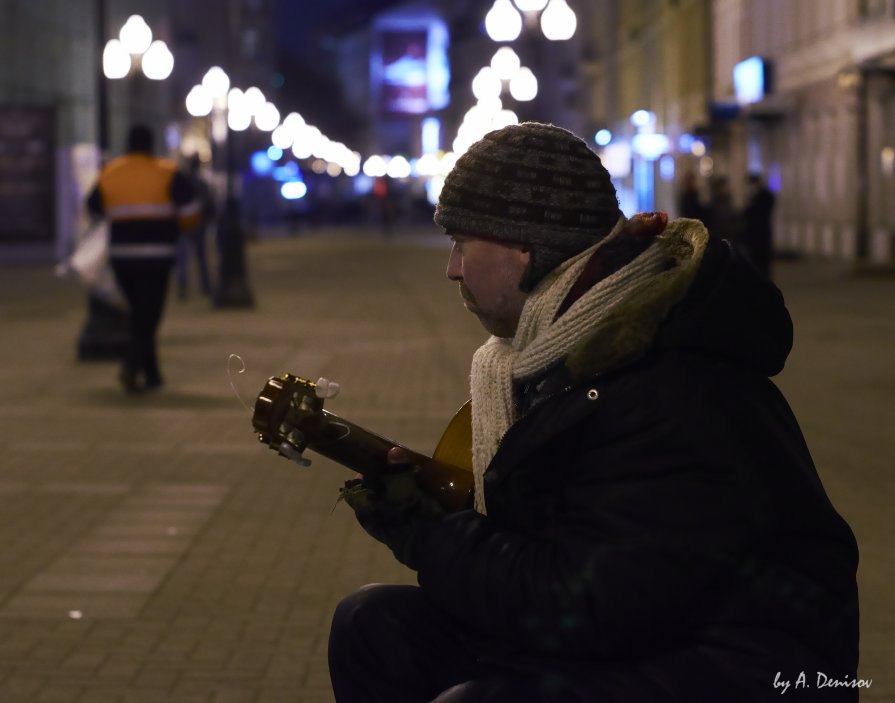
[534, 184]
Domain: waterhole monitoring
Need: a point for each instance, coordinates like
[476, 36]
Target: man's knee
[375, 609]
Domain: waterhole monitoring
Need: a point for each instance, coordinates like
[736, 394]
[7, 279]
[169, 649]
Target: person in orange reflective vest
[147, 203]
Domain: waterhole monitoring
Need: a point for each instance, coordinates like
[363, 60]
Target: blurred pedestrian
[142, 196]
[757, 237]
[722, 218]
[194, 239]
[689, 202]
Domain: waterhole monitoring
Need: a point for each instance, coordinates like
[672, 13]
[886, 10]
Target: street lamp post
[229, 111]
[104, 335]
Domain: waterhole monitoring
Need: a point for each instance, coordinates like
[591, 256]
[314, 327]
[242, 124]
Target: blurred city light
[650, 145]
[293, 190]
[503, 21]
[282, 137]
[506, 63]
[427, 165]
[616, 158]
[433, 189]
[375, 166]
[158, 61]
[289, 171]
[749, 80]
[274, 153]
[685, 143]
[135, 35]
[642, 118]
[887, 160]
[398, 167]
[216, 82]
[116, 60]
[293, 122]
[524, 86]
[199, 101]
[504, 118]
[430, 135]
[666, 168]
[603, 137]
[697, 148]
[261, 163]
[486, 84]
[239, 117]
[558, 21]
[254, 100]
[267, 117]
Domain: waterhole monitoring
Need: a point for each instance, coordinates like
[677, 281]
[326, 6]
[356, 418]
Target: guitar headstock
[285, 412]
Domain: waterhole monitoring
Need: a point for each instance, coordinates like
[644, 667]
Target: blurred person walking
[722, 218]
[757, 236]
[689, 204]
[147, 203]
[195, 238]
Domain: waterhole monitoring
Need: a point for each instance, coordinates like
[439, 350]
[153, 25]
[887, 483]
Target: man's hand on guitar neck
[394, 509]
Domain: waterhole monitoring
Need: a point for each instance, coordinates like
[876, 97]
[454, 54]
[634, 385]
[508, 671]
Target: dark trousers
[144, 283]
[389, 644]
[195, 240]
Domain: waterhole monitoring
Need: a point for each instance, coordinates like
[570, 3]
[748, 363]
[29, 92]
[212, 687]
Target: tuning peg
[326, 389]
[287, 450]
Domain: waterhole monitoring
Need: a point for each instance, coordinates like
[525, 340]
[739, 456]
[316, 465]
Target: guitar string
[230, 377]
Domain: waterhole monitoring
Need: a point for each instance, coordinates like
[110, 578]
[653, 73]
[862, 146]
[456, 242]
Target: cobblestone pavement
[152, 551]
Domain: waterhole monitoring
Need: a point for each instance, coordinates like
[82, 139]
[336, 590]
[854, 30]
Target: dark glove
[395, 511]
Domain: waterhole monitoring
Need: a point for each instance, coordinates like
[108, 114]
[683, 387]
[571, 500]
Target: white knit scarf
[541, 341]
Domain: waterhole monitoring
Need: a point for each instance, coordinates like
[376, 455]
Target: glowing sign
[410, 65]
[750, 80]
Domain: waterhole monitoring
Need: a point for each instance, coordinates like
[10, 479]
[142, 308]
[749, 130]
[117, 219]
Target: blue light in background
[666, 168]
[274, 153]
[287, 172]
[261, 163]
[685, 142]
[431, 135]
[603, 137]
[293, 190]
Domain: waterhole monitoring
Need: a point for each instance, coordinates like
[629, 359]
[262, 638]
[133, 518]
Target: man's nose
[454, 267]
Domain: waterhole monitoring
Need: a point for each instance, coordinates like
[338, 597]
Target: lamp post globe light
[504, 23]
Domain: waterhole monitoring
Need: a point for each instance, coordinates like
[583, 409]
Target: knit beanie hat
[533, 184]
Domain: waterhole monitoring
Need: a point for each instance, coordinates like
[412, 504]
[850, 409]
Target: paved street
[152, 551]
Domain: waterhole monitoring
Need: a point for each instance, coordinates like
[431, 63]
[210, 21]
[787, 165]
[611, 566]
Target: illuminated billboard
[409, 67]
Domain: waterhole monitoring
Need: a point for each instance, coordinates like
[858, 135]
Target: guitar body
[289, 418]
[455, 445]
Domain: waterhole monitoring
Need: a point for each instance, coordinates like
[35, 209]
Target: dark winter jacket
[657, 528]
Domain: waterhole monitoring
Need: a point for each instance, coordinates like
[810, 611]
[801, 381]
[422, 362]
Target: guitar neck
[351, 445]
[367, 453]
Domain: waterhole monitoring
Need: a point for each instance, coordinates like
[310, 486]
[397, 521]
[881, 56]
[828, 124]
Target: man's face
[489, 273]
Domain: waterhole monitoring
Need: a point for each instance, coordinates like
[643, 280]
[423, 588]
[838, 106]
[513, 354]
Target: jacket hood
[709, 301]
[731, 311]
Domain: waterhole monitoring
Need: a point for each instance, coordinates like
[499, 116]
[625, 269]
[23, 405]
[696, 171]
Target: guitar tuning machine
[293, 445]
[293, 454]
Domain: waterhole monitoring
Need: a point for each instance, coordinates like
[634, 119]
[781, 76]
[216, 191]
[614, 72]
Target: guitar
[289, 418]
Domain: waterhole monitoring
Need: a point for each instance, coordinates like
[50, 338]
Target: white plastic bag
[90, 260]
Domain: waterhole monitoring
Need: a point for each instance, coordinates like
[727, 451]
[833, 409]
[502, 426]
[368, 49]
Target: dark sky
[301, 23]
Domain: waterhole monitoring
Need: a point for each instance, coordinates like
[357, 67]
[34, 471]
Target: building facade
[825, 129]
